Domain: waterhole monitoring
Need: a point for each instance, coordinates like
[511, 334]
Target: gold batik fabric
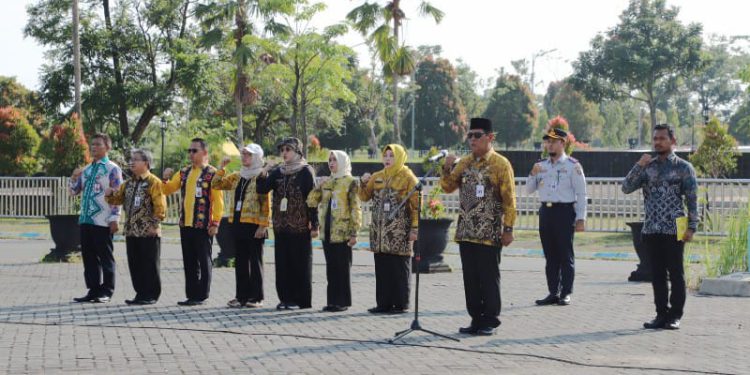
[482, 218]
[256, 208]
[144, 206]
[389, 232]
[346, 215]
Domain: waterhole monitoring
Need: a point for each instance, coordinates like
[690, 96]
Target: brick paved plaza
[42, 331]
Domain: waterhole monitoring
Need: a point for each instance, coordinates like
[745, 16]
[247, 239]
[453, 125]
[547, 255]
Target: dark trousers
[556, 230]
[481, 270]
[196, 260]
[143, 261]
[338, 273]
[392, 280]
[98, 260]
[248, 265]
[293, 253]
[666, 258]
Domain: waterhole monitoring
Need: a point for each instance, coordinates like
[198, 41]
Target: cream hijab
[344, 165]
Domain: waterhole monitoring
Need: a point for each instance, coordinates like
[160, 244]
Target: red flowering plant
[433, 207]
[571, 143]
[64, 148]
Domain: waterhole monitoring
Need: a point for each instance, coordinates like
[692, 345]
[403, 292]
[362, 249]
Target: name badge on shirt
[334, 204]
[238, 206]
[386, 207]
[198, 191]
[480, 191]
[283, 204]
[97, 188]
[137, 201]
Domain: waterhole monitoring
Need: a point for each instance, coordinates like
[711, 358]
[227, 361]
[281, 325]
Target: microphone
[440, 155]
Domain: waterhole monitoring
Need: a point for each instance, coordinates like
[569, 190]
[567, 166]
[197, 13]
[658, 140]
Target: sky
[485, 34]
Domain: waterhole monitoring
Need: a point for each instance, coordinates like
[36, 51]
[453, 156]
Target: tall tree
[381, 24]
[313, 71]
[468, 82]
[135, 55]
[582, 115]
[648, 48]
[439, 113]
[215, 16]
[512, 109]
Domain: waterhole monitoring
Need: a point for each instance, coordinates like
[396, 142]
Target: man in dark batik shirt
[668, 184]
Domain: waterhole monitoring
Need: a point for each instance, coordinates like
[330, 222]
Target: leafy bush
[18, 143]
[64, 148]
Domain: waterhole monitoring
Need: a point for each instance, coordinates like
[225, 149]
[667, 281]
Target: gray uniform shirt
[561, 182]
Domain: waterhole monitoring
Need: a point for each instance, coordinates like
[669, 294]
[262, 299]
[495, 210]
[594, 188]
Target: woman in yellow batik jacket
[340, 218]
[250, 218]
[393, 228]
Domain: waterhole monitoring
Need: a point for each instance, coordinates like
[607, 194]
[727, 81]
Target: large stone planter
[643, 271]
[433, 239]
[66, 233]
[225, 238]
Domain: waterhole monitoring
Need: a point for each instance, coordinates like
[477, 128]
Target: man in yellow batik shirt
[200, 215]
[485, 223]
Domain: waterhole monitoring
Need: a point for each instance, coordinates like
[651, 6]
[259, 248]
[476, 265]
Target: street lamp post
[163, 124]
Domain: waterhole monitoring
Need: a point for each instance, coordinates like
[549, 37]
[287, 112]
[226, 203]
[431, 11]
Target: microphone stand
[415, 326]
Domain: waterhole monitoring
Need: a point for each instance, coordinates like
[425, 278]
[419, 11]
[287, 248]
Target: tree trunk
[395, 76]
[241, 79]
[238, 106]
[76, 59]
[122, 109]
[303, 117]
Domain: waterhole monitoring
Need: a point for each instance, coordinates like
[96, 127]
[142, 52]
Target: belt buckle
[549, 204]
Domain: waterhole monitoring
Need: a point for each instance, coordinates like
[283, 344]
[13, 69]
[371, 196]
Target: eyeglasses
[134, 159]
[192, 150]
[475, 135]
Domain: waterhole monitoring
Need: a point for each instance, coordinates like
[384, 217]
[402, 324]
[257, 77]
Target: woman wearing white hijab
[340, 219]
[250, 221]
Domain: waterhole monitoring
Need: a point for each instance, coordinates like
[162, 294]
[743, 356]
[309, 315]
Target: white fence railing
[608, 210]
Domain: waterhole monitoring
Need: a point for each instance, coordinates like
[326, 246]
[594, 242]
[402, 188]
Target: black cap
[556, 133]
[481, 123]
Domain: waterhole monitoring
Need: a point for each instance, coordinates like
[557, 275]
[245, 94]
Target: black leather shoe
[672, 324]
[470, 330]
[549, 300]
[486, 331]
[281, 306]
[657, 323]
[190, 302]
[564, 300]
[336, 308]
[101, 299]
[378, 310]
[327, 308]
[144, 302]
[133, 301]
[86, 298]
[399, 310]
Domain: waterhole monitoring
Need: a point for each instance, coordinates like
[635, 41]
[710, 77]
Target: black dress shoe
[101, 299]
[190, 302]
[281, 306]
[378, 310]
[657, 323]
[470, 330]
[672, 324]
[144, 302]
[564, 300]
[86, 298]
[133, 301]
[399, 310]
[549, 300]
[337, 308]
[486, 331]
[327, 308]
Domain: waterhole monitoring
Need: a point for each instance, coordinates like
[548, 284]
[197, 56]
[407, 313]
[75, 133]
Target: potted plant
[62, 150]
[433, 234]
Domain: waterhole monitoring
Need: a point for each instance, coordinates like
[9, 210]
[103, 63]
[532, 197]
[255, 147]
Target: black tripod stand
[415, 326]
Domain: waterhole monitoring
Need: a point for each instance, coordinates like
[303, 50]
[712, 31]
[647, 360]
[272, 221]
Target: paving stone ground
[42, 331]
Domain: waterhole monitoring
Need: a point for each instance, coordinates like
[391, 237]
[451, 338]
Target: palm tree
[215, 15]
[381, 25]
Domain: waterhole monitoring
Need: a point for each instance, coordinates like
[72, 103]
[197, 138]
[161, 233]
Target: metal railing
[608, 208]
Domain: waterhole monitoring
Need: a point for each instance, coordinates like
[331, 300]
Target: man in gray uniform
[562, 191]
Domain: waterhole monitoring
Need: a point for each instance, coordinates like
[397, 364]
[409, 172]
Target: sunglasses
[475, 135]
[192, 150]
